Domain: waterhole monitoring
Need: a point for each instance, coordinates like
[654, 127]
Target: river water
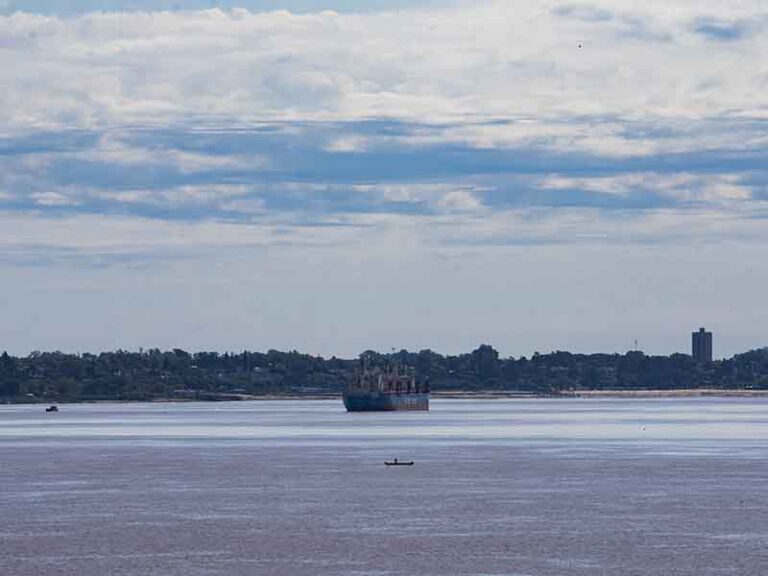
[499, 487]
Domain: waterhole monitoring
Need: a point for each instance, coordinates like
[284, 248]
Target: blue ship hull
[378, 402]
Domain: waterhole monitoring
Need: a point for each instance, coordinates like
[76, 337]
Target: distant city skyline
[701, 349]
[337, 176]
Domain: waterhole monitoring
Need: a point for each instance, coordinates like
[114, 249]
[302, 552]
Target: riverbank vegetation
[152, 374]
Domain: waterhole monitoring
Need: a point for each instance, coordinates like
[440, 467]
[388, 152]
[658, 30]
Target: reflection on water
[691, 424]
[535, 487]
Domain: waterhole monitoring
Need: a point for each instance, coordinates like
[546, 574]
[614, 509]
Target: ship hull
[377, 402]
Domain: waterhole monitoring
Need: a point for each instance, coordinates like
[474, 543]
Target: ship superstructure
[391, 387]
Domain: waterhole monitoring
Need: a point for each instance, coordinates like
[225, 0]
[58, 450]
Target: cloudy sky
[332, 176]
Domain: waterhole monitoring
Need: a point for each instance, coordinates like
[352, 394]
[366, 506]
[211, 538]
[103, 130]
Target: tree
[485, 362]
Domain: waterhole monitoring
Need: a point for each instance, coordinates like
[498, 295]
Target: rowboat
[396, 463]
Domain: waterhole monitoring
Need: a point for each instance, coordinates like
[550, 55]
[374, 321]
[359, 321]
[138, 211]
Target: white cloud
[113, 150]
[53, 199]
[462, 223]
[687, 187]
[585, 226]
[173, 197]
[470, 62]
[348, 143]
[616, 79]
[459, 201]
[300, 256]
[440, 196]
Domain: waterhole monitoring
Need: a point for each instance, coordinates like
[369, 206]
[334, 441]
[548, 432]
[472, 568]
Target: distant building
[701, 344]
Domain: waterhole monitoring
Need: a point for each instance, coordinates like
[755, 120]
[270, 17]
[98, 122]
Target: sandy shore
[485, 394]
[455, 395]
[682, 393]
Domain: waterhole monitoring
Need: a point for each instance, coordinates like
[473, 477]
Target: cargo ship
[393, 387]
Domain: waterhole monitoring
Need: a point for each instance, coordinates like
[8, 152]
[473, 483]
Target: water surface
[513, 487]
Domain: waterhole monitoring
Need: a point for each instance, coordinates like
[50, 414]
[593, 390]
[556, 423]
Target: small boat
[52, 409]
[396, 463]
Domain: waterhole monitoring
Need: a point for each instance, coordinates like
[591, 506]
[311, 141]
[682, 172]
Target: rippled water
[515, 487]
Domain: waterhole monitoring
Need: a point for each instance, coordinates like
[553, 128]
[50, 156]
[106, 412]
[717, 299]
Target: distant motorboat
[52, 409]
[396, 463]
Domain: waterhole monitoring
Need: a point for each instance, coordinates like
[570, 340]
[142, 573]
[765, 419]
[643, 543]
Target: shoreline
[651, 393]
[440, 395]
[679, 393]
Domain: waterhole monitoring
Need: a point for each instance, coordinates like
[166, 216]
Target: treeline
[151, 374]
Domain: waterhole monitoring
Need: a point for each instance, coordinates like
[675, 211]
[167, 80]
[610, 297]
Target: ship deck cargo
[386, 389]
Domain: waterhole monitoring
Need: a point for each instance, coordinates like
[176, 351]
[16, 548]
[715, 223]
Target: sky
[334, 176]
